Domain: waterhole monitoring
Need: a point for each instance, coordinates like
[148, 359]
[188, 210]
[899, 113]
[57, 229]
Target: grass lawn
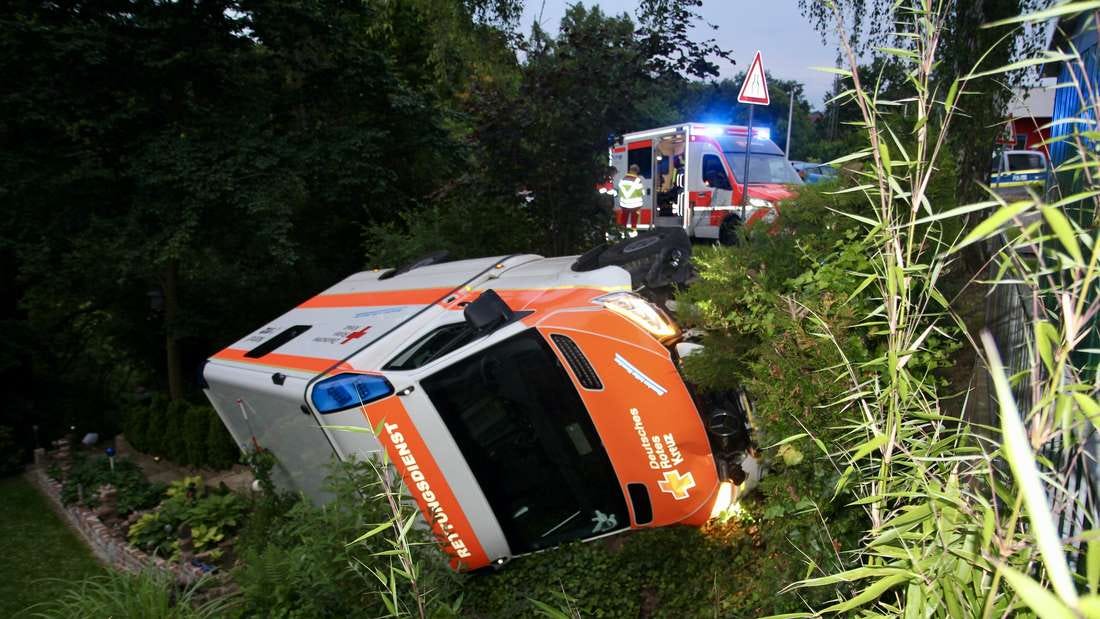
[35, 545]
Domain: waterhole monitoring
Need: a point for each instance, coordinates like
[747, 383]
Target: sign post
[754, 91]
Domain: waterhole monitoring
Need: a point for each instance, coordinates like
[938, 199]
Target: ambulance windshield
[764, 169]
[525, 433]
[767, 165]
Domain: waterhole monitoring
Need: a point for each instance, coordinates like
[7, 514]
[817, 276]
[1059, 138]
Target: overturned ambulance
[525, 401]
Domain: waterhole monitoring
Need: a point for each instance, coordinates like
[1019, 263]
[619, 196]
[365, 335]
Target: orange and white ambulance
[525, 401]
[694, 178]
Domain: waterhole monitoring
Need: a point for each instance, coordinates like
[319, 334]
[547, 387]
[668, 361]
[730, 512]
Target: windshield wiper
[562, 523]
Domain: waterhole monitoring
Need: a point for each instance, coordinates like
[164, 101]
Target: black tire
[435, 257]
[729, 231]
[653, 259]
[645, 245]
[589, 260]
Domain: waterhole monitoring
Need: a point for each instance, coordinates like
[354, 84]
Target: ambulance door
[640, 153]
[708, 187]
[669, 180]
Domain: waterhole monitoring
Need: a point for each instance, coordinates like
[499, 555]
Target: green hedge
[181, 432]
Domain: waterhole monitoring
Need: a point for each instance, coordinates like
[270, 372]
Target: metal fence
[1010, 313]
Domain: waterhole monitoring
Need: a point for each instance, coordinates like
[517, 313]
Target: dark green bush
[135, 426]
[173, 441]
[221, 451]
[195, 426]
[11, 455]
[181, 432]
[88, 474]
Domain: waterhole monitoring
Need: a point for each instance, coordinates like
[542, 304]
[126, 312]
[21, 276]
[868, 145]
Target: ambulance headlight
[640, 312]
[771, 214]
[725, 502]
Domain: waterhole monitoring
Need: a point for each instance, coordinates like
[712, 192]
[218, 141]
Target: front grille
[582, 369]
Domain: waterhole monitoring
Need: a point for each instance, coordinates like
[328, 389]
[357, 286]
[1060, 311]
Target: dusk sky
[790, 45]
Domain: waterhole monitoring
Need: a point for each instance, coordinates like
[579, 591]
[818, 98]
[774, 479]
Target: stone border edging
[104, 544]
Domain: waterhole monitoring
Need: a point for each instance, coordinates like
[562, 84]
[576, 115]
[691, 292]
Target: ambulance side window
[714, 173]
[643, 158]
[433, 346]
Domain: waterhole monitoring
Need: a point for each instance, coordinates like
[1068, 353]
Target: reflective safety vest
[631, 190]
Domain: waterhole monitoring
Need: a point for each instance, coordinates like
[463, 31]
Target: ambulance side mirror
[488, 312]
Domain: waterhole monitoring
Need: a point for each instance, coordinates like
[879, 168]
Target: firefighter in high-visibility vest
[631, 192]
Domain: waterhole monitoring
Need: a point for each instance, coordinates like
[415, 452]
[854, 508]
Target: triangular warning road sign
[755, 88]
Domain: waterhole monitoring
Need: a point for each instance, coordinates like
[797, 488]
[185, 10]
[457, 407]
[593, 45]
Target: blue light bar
[345, 391]
[763, 133]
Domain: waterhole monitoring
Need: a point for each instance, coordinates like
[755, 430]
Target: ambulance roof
[349, 316]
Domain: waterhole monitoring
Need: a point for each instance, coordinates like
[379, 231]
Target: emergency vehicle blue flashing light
[762, 133]
[345, 391]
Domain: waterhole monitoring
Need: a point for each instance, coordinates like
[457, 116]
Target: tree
[170, 164]
[717, 102]
[540, 132]
[965, 43]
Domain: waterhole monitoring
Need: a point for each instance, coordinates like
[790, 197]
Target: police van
[1014, 172]
[694, 178]
[525, 401]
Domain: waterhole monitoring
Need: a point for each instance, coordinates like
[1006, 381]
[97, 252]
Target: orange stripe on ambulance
[416, 480]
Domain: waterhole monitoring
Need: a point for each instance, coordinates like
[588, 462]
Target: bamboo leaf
[1064, 231]
[833, 70]
[1068, 8]
[789, 439]
[1045, 337]
[1093, 563]
[1045, 604]
[993, 223]
[955, 212]
[851, 575]
[870, 594]
[1021, 459]
[369, 534]
[1046, 57]
[952, 93]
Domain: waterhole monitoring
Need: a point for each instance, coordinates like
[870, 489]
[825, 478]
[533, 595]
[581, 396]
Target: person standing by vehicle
[631, 191]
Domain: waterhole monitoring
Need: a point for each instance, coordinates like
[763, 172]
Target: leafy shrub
[87, 475]
[212, 517]
[147, 594]
[727, 570]
[303, 563]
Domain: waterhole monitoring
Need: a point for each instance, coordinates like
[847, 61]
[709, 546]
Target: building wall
[1072, 101]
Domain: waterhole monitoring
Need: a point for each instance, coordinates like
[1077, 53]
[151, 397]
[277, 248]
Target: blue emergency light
[345, 391]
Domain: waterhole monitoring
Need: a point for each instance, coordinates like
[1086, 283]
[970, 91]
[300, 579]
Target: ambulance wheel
[428, 259]
[653, 259]
[644, 246]
[589, 260]
[727, 232]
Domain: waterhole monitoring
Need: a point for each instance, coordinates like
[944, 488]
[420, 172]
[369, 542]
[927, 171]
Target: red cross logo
[676, 484]
[354, 335]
